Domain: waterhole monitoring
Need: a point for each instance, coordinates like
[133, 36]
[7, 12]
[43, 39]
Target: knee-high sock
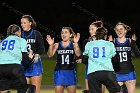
[31, 88]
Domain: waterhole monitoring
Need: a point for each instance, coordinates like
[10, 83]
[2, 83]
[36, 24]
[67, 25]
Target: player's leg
[121, 87]
[86, 85]
[85, 91]
[121, 78]
[111, 83]
[94, 84]
[71, 89]
[5, 91]
[19, 79]
[124, 89]
[131, 85]
[70, 81]
[103, 88]
[86, 81]
[31, 89]
[36, 80]
[59, 81]
[59, 89]
[34, 75]
[5, 73]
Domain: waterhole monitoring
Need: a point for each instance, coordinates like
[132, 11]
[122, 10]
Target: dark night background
[52, 15]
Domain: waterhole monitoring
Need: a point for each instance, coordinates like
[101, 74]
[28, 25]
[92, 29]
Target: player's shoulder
[90, 43]
[110, 43]
[22, 40]
[36, 31]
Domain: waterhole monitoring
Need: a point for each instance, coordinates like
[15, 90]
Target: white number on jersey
[65, 59]
[123, 56]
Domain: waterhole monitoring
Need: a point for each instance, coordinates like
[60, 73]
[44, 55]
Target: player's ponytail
[97, 24]
[101, 33]
[12, 29]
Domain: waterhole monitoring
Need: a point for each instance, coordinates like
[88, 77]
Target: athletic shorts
[35, 70]
[12, 77]
[65, 78]
[125, 77]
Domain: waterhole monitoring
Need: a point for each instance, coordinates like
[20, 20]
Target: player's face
[92, 29]
[65, 34]
[25, 24]
[120, 31]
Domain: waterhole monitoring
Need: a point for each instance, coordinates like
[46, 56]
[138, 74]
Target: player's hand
[79, 61]
[31, 55]
[36, 58]
[76, 38]
[134, 37]
[110, 38]
[50, 40]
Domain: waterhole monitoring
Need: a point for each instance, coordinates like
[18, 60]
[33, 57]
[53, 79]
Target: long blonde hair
[126, 27]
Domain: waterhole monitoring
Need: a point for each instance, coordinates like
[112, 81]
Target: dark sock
[31, 89]
[85, 91]
[123, 89]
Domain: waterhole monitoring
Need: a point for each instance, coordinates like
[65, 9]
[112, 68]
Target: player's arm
[26, 57]
[52, 49]
[84, 44]
[77, 49]
[76, 45]
[85, 54]
[135, 48]
[85, 59]
[40, 41]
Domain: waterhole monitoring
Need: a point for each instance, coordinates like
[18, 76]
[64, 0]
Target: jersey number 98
[8, 44]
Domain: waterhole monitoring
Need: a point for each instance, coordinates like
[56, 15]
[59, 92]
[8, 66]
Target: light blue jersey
[11, 50]
[100, 53]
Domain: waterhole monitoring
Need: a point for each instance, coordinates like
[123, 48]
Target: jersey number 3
[8, 44]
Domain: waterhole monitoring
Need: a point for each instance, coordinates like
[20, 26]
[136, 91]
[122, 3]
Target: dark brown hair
[101, 32]
[97, 24]
[12, 29]
[30, 19]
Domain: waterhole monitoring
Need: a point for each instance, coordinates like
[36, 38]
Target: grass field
[49, 64]
[48, 67]
[78, 91]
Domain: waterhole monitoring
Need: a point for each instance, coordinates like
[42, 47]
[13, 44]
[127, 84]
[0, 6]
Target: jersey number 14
[65, 59]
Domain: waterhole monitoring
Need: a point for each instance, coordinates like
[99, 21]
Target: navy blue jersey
[123, 56]
[65, 57]
[34, 40]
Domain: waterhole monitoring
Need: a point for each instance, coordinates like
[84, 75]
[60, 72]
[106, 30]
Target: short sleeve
[23, 45]
[113, 50]
[86, 49]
